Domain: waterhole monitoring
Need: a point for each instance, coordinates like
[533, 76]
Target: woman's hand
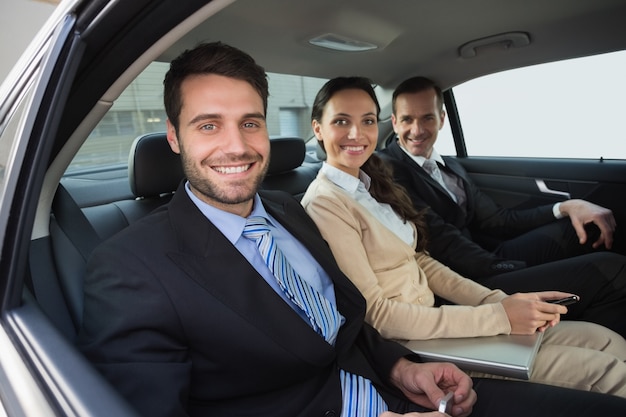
[528, 312]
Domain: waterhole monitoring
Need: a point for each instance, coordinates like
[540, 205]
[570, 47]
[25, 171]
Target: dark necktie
[447, 181]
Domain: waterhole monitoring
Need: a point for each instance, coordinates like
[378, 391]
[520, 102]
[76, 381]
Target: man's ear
[172, 137]
[442, 119]
[393, 123]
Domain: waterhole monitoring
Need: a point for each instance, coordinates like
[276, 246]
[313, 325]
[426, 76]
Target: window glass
[139, 110]
[571, 109]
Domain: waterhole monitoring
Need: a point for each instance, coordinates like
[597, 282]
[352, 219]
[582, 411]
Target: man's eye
[248, 125]
[207, 127]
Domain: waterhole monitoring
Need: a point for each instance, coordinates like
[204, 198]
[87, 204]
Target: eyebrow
[349, 115]
[208, 116]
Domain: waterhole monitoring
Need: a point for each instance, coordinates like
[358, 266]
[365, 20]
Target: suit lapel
[209, 259]
[419, 171]
[350, 302]
[456, 168]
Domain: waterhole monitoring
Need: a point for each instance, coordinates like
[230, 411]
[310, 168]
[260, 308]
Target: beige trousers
[580, 355]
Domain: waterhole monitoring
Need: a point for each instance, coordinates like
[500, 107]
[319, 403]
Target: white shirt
[437, 158]
[358, 188]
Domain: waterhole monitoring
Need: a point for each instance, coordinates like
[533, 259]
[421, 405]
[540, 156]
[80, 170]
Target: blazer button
[330, 413]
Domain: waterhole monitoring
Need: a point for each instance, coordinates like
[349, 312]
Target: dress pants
[579, 355]
[498, 398]
[509, 398]
[598, 278]
[552, 242]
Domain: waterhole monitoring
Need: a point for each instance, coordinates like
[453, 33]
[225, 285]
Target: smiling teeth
[354, 148]
[232, 170]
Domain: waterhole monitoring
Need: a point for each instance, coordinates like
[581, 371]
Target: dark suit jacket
[454, 233]
[180, 322]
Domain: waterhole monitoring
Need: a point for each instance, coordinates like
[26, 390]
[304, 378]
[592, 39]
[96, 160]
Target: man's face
[223, 141]
[417, 121]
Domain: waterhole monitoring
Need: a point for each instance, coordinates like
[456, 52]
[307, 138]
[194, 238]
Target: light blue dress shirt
[360, 398]
[232, 225]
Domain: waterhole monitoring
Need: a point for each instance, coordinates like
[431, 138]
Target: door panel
[514, 182]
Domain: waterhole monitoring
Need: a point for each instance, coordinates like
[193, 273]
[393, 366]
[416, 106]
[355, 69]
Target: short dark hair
[211, 58]
[417, 85]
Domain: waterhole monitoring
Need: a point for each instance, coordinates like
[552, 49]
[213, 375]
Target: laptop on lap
[506, 355]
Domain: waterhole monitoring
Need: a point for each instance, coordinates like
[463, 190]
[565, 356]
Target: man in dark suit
[185, 318]
[460, 218]
[469, 231]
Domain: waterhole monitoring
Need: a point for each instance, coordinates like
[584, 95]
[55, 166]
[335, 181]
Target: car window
[139, 110]
[571, 109]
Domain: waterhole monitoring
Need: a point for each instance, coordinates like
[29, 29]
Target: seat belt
[74, 223]
[44, 286]
[44, 283]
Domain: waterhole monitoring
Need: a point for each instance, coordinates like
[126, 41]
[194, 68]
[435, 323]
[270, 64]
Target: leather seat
[288, 170]
[154, 174]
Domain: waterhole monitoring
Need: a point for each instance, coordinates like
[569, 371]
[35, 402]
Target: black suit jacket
[454, 233]
[180, 322]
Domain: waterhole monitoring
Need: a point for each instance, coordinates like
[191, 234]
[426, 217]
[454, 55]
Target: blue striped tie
[322, 314]
[360, 398]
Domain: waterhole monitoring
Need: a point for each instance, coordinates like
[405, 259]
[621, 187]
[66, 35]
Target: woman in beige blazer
[379, 244]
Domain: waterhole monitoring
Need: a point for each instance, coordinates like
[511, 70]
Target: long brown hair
[385, 190]
[382, 187]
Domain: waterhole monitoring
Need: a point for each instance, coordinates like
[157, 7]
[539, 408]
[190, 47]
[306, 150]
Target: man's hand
[582, 212]
[528, 312]
[427, 383]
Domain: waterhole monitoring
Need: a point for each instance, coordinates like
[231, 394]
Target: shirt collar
[345, 180]
[231, 225]
[420, 159]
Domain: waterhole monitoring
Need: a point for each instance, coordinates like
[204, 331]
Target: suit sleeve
[447, 243]
[141, 357]
[494, 220]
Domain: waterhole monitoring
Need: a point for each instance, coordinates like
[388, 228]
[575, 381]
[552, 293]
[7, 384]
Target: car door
[543, 134]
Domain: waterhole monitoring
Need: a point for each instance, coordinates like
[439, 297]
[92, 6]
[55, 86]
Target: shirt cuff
[556, 210]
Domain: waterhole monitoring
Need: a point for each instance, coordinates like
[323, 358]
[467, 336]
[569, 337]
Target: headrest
[153, 168]
[286, 153]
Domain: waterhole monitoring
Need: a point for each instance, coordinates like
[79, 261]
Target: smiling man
[228, 302]
[226, 148]
[470, 232]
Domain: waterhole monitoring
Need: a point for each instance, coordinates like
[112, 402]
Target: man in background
[469, 231]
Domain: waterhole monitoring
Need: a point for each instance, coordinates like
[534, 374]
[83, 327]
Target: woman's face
[348, 129]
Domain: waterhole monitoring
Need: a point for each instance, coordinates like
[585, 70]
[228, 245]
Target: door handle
[544, 189]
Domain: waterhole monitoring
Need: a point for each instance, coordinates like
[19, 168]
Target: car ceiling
[413, 36]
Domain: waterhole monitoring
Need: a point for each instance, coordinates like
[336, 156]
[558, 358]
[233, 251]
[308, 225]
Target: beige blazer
[399, 284]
